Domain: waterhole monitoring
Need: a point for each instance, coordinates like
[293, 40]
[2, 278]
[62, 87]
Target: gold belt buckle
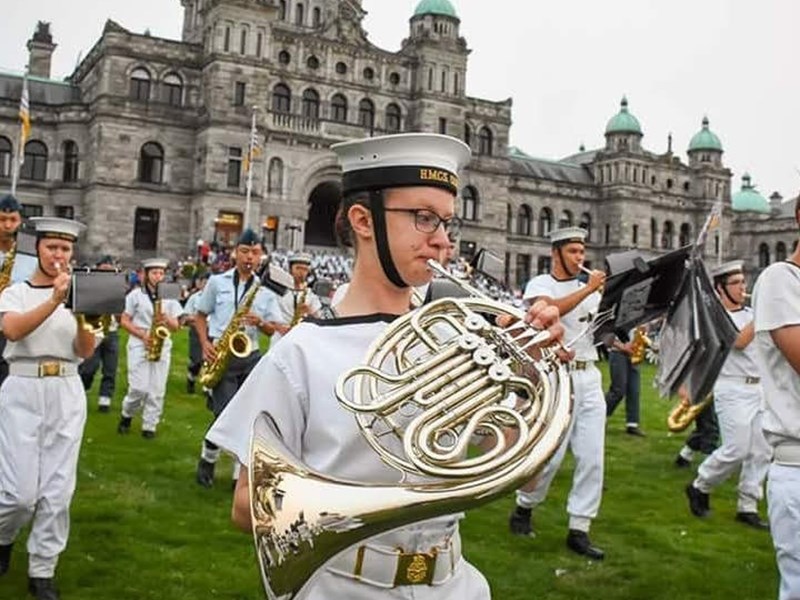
[415, 568]
[579, 365]
[50, 368]
[752, 380]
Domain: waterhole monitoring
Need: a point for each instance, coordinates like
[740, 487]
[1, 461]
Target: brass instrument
[97, 325]
[7, 268]
[233, 341]
[299, 306]
[158, 334]
[685, 413]
[639, 345]
[437, 377]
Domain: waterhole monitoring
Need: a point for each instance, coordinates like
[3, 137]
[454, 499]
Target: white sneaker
[104, 403]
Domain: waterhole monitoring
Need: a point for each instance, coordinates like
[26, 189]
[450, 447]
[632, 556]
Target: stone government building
[145, 142]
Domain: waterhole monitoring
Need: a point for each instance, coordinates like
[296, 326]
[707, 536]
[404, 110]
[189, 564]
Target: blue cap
[248, 238]
[9, 204]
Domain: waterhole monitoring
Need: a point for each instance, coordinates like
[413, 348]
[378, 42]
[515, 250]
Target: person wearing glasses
[396, 216]
[738, 399]
[578, 304]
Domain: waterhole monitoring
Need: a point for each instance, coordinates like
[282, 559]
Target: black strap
[236, 288]
[382, 239]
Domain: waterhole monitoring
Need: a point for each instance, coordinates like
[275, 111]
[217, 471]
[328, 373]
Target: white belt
[43, 368]
[786, 454]
[386, 567]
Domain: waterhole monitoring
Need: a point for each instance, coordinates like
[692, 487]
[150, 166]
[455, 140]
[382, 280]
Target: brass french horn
[438, 377]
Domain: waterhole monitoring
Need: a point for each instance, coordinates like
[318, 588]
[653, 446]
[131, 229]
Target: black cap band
[388, 177]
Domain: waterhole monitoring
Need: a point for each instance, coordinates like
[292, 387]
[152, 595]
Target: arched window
[780, 251]
[509, 218]
[173, 90]
[653, 233]
[486, 141]
[275, 175]
[685, 237]
[281, 98]
[469, 204]
[586, 223]
[339, 108]
[299, 16]
[6, 152]
[310, 104]
[668, 235]
[566, 219]
[140, 85]
[393, 116]
[316, 18]
[151, 163]
[467, 134]
[70, 151]
[763, 256]
[35, 165]
[366, 113]
[545, 222]
[524, 218]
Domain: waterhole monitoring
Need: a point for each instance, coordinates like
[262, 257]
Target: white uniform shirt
[741, 363]
[139, 308]
[776, 299]
[190, 308]
[578, 319]
[54, 338]
[295, 384]
[24, 266]
[338, 295]
[288, 303]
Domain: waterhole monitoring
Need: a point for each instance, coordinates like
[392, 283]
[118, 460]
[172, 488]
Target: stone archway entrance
[323, 204]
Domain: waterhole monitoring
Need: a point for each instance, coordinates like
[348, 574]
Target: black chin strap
[725, 291]
[563, 262]
[382, 239]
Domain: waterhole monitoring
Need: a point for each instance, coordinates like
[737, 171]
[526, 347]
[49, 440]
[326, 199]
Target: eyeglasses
[427, 221]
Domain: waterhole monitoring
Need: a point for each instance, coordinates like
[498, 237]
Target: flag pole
[250, 157]
[24, 131]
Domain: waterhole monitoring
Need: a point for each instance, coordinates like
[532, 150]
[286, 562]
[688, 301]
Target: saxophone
[8, 266]
[233, 341]
[158, 335]
[639, 345]
[299, 306]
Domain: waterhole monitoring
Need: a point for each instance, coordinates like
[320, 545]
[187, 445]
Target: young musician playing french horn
[42, 406]
[147, 318]
[216, 307]
[396, 221]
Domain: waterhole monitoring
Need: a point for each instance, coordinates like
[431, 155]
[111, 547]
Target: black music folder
[97, 293]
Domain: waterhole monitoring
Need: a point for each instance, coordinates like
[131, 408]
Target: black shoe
[698, 501]
[579, 542]
[205, 473]
[634, 430]
[5, 558]
[752, 519]
[43, 589]
[520, 522]
[148, 435]
[103, 408]
[189, 386]
[682, 463]
[124, 425]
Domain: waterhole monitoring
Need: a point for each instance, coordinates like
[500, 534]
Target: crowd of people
[394, 225]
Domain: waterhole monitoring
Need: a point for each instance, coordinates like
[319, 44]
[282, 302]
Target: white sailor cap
[56, 227]
[300, 258]
[402, 160]
[733, 266]
[568, 235]
[155, 263]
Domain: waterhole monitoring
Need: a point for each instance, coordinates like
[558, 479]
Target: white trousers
[783, 497]
[586, 438]
[41, 426]
[739, 411]
[147, 384]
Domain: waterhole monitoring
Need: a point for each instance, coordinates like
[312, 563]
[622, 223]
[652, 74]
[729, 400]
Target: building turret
[40, 48]
[623, 132]
[705, 148]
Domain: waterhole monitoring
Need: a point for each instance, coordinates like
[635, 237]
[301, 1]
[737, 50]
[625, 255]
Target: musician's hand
[596, 280]
[281, 328]
[162, 319]
[209, 354]
[145, 337]
[251, 320]
[304, 309]
[627, 348]
[543, 315]
[61, 287]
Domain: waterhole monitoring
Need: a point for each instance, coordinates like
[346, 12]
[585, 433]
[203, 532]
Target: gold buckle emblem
[50, 368]
[415, 569]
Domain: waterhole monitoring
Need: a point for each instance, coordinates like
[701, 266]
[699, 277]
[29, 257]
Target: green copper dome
[705, 139]
[749, 199]
[623, 121]
[435, 7]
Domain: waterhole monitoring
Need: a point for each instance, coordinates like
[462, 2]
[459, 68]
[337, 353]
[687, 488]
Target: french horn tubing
[439, 377]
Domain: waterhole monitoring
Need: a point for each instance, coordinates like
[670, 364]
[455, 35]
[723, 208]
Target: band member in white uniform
[300, 302]
[24, 265]
[42, 407]
[216, 307]
[776, 301]
[397, 216]
[738, 401]
[147, 379]
[578, 304]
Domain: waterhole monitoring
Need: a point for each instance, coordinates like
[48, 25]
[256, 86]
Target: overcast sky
[566, 64]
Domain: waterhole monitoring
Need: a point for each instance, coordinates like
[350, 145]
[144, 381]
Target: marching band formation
[397, 215]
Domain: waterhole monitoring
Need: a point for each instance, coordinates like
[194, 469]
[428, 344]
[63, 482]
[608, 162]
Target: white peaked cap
[732, 266]
[155, 263]
[568, 235]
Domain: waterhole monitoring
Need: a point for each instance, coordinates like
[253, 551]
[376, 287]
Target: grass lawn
[142, 528]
